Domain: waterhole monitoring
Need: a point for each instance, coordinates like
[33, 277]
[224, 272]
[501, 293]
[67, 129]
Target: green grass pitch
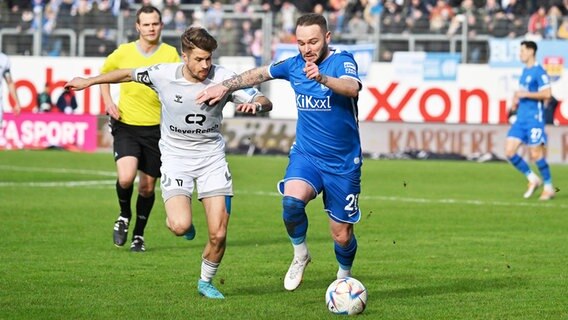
[437, 240]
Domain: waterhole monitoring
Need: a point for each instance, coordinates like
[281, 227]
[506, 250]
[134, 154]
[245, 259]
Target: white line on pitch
[59, 170]
[51, 184]
[536, 204]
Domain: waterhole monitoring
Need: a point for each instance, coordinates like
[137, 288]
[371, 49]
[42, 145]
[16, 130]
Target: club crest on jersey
[310, 103]
[178, 99]
[143, 77]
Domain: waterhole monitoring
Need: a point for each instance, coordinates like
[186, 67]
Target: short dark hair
[312, 19]
[197, 37]
[148, 9]
[529, 45]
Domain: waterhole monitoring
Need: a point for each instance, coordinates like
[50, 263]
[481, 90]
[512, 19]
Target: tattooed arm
[213, 94]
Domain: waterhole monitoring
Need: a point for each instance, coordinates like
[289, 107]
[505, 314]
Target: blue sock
[544, 170]
[295, 219]
[346, 255]
[521, 165]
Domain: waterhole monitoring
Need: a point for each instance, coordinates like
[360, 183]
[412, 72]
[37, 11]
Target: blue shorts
[340, 191]
[530, 133]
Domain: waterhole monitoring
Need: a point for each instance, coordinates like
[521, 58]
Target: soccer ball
[346, 296]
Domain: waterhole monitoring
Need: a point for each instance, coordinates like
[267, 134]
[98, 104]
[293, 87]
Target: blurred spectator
[515, 9]
[500, 26]
[67, 103]
[213, 18]
[287, 17]
[64, 17]
[488, 16]
[564, 8]
[246, 37]
[416, 17]
[180, 21]
[538, 23]
[392, 21]
[553, 20]
[101, 46]
[168, 19]
[466, 13]
[51, 46]
[256, 47]
[228, 39]
[43, 100]
[272, 5]
[440, 16]
[336, 15]
[83, 16]
[563, 29]
[103, 15]
[357, 25]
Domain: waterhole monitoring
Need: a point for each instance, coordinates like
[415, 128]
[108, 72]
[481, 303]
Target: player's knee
[342, 240]
[218, 239]
[146, 192]
[293, 208]
[178, 228]
[125, 183]
[343, 236]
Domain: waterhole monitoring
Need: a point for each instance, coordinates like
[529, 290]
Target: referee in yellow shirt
[135, 125]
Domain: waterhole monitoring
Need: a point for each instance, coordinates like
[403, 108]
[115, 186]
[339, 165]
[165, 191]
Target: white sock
[343, 273]
[532, 177]
[301, 250]
[208, 269]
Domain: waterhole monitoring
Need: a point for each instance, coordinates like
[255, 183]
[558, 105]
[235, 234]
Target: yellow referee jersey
[138, 104]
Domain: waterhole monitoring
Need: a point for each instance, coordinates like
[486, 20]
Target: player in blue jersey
[528, 128]
[326, 156]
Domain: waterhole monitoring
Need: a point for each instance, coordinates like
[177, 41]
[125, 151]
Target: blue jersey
[533, 79]
[327, 131]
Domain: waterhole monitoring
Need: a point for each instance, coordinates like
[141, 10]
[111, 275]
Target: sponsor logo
[178, 99]
[215, 128]
[195, 118]
[309, 103]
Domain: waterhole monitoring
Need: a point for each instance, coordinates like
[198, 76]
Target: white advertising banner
[479, 95]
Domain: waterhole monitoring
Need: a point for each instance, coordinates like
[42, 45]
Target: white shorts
[211, 176]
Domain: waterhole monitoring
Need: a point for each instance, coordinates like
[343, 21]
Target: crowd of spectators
[350, 20]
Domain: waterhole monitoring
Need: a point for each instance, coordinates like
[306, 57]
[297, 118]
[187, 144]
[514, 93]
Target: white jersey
[4, 69]
[186, 126]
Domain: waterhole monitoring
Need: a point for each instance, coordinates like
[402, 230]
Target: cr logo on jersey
[195, 118]
[144, 78]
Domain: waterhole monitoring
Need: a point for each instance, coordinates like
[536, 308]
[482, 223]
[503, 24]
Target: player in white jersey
[5, 72]
[191, 143]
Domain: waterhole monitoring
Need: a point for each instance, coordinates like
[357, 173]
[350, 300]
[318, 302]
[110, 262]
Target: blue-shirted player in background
[326, 156]
[528, 128]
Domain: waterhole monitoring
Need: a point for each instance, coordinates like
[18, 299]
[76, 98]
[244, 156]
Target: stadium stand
[249, 27]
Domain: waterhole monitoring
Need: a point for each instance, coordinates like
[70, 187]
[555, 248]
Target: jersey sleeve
[347, 67]
[146, 75]
[246, 95]
[543, 80]
[280, 69]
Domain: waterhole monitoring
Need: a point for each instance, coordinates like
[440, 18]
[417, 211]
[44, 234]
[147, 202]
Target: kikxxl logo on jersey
[309, 103]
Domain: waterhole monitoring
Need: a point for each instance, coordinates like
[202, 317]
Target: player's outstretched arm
[247, 79]
[260, 105]
[115, 76]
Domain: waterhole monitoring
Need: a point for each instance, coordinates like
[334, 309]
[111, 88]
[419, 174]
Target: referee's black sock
[124, 198]
[143, 209]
